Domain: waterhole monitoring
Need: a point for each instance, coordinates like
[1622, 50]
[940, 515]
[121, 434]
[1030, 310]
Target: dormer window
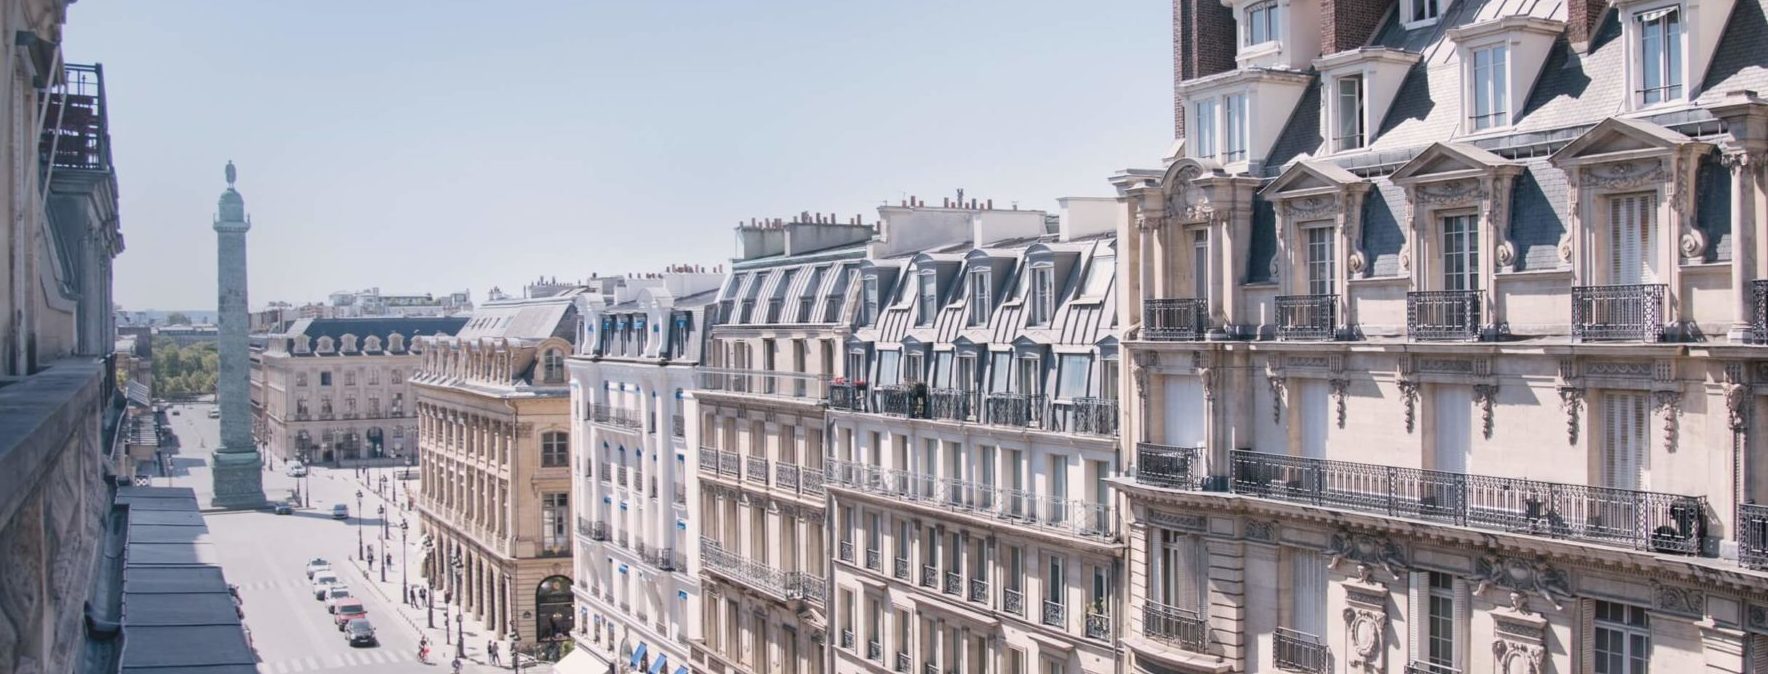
[1660, 55]
[1261, 23]
[869, 303]
[1491, 93]
[1203, 118]
[979, 297]
[1348, 133]
[1420, 12]
[1235, 128]
[929, 298]
[1042, 303]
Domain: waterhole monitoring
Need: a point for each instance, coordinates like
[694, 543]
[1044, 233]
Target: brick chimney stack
[1203, 45]
[1581, 19]
[1349, 24]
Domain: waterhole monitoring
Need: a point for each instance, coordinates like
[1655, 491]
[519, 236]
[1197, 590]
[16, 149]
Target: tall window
[1072, 381]
[1491, 91]
[1440, 623]
[1460, 253]
[929, 297]
[1625, 441]
[1623, 639]
[1349, 113]
[1100, 270]
[1200, 263]
[870, 306]
[1043, 294]
[1204, 121]
[349, 377]
[966, 375]
[1320, 260]
[1660, 56]
[979, 296]
[1261, 23]
[1421, 10]
[914, 364]
[555, 512]
[1055, 581]
[555, 449]
[554, 366]
[1236, 130]
[1632, 239]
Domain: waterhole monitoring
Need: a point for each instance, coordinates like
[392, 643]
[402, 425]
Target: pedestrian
[389, 560]
[371, 562]
[491, 652]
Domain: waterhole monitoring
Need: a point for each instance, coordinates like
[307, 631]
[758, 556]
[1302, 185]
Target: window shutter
[1758, 654]
[1586, 637]
[1198, 577]
[1417, 634]
[1463, 624]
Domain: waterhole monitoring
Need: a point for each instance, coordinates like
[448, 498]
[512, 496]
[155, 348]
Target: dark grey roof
[1537, 221]
[362, 328]
[1301, 134]
[176, 610]
[1263, 246]
[1382, 234]
[1741, 61]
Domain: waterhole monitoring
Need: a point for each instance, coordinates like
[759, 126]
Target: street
[265, 555]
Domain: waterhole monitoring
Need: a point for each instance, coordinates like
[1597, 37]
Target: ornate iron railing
[950, 404]
[846, 638]
[1299, 651]
[1174, 319]
[1055, 613]
[846, 551]
[874, 650]
[1168, 466]
[1670, 523]
[1752, 535]
[1014, 409]
[610, 415]
[708, 460]
[1091, 416]
[929, 576]
[756, 469]
[902, 661]
[596, 531]
[849, 397]
[1181, 627]
[786, 476]
[1070, 516]
[1013, 602]
[874, 561]
[1098, 625]
[730, 464]
[954, 583]
[806, 586]
[76, 128]
[900, 568]
[978, 590]
[1307, 317]
[1759, 319]
[1630, 312]
[744, 570]
[1443, 315]
[897, 400]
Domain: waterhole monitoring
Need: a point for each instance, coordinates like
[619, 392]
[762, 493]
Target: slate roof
[382, 327]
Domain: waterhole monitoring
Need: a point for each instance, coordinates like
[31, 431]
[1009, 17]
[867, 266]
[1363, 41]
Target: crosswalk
[297, 582]
[361, 657]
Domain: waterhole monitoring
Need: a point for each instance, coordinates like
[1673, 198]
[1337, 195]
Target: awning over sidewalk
[638, 654]
[579, 661]
[658, 664]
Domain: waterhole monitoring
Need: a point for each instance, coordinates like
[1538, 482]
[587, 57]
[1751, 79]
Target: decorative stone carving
[1275, 381]
[1505, 254]
[1363, 628]
[1409, 394]
[1668, 404]
[1523, 576]
[1446, 365]
[1171, 520]
[1571, 401]
[1366, 549]
[1515, 658]
[1307, 207]
[1449, 193]
[1261, 530]
[1339, 388]
[1486, 396]
[1756, 617]
[1737, 408]
[1622, 175]
[1681, 601]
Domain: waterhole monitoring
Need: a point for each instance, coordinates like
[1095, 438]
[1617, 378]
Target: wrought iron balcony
[1304, 318]
[929, 576]
[1174, 319]
[786, 476]
[596, 531]
[1181, 627]
[730, 464]
[1055, 614]
[874, 650]
[1168, 466]
[798, 385]
[76, 127]
[899, 568]
[874, 561]
[1013, 602]
[902, 662]
[1014, 409]
[744, 570]
[1752, 535]
[950, 404]
[607, 472]
[1759, 313]
[978, 590]
[897, 400]
[708, 460]
[849, 397]
[681, 494]
[757, 469]
[1069, 516]
[619, 417]
[1443, 315]
[1427, 668]
[1091, 416]
[1631, 312]
[1299, 652]
[809, 587]
[678, 426]
[846, 551]
[1098, 625]
[954, 583]
[846, 638]
[1669, 523]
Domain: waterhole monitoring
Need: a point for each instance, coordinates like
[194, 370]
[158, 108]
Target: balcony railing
[950, 404]
[1169, 467]
[1752, 535]
[1180, 627]
[902, 662]
[1447, 315]
[596, 531]
[1427, 668]
[1299, 651]
[874, 650]
[897, 400]
[1630, 312]
[929, 576]
[610, 415]
[765, 382]
[900, 568]
[76, 133]
[1055, 613]
[1307, 317]
[607, 472]
[849, 397]
[954, 583]
[709, 459]
[730, 464]
[846, 551]
[1023, 410]
[1091, 416]
[1174, 319]
[874, 560]
[1670, 523]
[786, 476]
[678, 426]
[747, 571]
[757, 469]
[1013, 602]
[621, 474]
[1073, 517]
[1098, 625]
[978, 590]
[1759, 316]
[847, 638]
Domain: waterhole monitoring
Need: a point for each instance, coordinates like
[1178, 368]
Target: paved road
[265, 555]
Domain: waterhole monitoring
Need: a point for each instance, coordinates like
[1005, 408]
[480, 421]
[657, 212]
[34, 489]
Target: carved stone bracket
[1339, 388]
[1571, 401]
[1409, 393]
[1486, 396]
[1737, 408]
[1687, 602]
[1278, 392]
[1668, 404]
[1525, 577]
[1365, 622]
[1261, 530]
[1367, 550]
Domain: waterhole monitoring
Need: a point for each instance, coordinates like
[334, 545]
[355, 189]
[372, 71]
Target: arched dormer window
[325, 345]
[373, 343]
[552, 363]
[396, 342]
[349, 343]
[303, 344]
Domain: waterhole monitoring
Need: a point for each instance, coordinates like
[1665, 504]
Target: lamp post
[361, 553]
[403, 528]
[516, 650]
[454, 567]
[382, 511]
[460, 637]
[430, 592]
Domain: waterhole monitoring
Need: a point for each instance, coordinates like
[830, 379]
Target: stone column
[1746, 117]
[238, 476]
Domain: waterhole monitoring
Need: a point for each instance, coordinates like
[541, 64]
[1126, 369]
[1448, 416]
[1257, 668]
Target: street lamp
[403, 528]
[429, 573]
[383, 513]
[516, 649]
[460, 638]
[360, 551]
[459, 619]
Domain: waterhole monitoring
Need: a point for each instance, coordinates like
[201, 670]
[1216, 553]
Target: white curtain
[1184, 411]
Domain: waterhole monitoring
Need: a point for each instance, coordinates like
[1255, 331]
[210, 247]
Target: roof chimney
[1581, 19]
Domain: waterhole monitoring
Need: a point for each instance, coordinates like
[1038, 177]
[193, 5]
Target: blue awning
[681, 670]
[658, 665]
[638, 654]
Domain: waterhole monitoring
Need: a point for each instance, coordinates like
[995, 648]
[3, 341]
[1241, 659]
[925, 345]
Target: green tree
[177, 318]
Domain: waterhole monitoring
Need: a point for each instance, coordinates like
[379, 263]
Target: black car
[283, 509]
[360, 633]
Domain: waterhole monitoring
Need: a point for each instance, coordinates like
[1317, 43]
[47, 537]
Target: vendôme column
[238, 483]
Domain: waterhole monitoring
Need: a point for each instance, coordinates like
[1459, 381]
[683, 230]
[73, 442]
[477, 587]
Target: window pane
[1074, 376]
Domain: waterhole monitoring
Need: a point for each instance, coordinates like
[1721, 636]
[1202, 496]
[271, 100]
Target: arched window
[553, 366]
[325, 345]
[555, 449]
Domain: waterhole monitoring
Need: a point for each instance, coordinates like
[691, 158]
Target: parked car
[283, 509]
[215, 414]
[337, 594]
[348, 611]
[316, 565]
[174, 412]
[340, 512]
[297, 469]
[321, 581]
[360, 633]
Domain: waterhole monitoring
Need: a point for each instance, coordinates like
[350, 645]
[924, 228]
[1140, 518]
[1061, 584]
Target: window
[1623, 639]
[374, 376]
[942, 370]
[1632, 239]
[1491, 91]
[398, 377]
[553, 366]
[1440, 623]
[1625, 443]
[914, 366]
[1054, 581]
[929, 298]
[1261, 23]
[1000, 371]
[1319, 260]
[870, 306]
[1072, 382]
[1043, 294]
[966, 376]
[1460, 253]
[889, 363]
[349, 377]
[1660, 56]
[555, 449]
[1031, 370]
[807, 299]
[1348, 114]
[1204, 120]
[1236, 141]
[1200, 263]
[1419, 11]
[300, 379]
[1099, 273]
[555, 512]
[979, 296]
[325, 379]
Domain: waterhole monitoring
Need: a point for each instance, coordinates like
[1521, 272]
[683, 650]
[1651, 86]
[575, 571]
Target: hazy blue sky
[429, 145]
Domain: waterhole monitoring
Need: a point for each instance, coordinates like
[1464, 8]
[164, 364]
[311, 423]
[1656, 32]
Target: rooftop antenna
[960, 197]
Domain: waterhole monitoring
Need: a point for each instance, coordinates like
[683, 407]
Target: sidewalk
[442, 650]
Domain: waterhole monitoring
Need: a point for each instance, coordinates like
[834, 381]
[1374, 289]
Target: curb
[373, 584]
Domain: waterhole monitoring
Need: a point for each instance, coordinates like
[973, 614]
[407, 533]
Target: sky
[441, 145]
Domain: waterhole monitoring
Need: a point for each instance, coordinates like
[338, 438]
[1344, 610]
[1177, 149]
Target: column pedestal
[238, 480]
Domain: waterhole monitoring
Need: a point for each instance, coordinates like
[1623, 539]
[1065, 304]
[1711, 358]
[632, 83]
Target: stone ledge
[37, 416]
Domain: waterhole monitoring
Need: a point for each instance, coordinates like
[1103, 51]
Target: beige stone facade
[339, 391]
[494, 429]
